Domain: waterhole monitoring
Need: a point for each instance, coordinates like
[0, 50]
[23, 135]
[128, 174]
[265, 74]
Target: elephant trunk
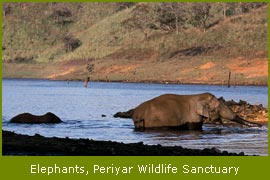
[244, 122]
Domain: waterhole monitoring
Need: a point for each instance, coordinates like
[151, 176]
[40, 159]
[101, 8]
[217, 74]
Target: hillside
[135, 42]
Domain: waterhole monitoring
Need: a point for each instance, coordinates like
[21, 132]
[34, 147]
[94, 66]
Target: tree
[234, 8]
[90, 68]
[71, 43]
[201, 15]
[143, 18]
[6, 9]
[62, 16]
[172, 15]
[124, 5]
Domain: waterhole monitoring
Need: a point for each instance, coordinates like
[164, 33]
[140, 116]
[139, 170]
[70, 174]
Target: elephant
[33, 119]
[184, 112]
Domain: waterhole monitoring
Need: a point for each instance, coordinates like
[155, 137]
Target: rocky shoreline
[23, 145]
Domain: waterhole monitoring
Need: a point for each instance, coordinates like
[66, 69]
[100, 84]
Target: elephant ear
[214, 103]
[203, 110]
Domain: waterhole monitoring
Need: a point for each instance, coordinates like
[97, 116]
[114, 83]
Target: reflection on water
[81, 109]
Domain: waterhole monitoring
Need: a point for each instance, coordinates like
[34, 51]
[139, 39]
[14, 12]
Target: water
[81, 109]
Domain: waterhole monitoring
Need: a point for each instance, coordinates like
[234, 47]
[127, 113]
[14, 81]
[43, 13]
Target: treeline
[152, 16]
[176, 16]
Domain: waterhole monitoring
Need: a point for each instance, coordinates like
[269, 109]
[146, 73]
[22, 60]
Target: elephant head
[183, 112]
[215, 111]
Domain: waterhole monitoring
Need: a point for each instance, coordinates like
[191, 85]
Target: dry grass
[237, 44]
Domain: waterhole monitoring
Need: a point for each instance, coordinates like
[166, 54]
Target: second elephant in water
[34, 119]
[183, 112]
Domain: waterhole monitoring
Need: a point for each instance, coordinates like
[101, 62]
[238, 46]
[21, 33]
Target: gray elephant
[33, 119]
[183, 112]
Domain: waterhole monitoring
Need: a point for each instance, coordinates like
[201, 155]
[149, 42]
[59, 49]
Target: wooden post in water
[229, 79]
[234, 81]
[86, 82]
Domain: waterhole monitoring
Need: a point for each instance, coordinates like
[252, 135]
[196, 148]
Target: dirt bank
[190, 71]
[19, 145]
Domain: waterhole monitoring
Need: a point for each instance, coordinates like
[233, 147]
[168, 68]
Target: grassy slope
[238, 44]
[30, 31]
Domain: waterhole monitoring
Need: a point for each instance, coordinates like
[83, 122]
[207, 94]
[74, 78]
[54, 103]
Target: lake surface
[81, 109]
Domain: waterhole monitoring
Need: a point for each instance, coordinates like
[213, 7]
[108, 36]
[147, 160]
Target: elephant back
[52, 118]
[33, 119]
